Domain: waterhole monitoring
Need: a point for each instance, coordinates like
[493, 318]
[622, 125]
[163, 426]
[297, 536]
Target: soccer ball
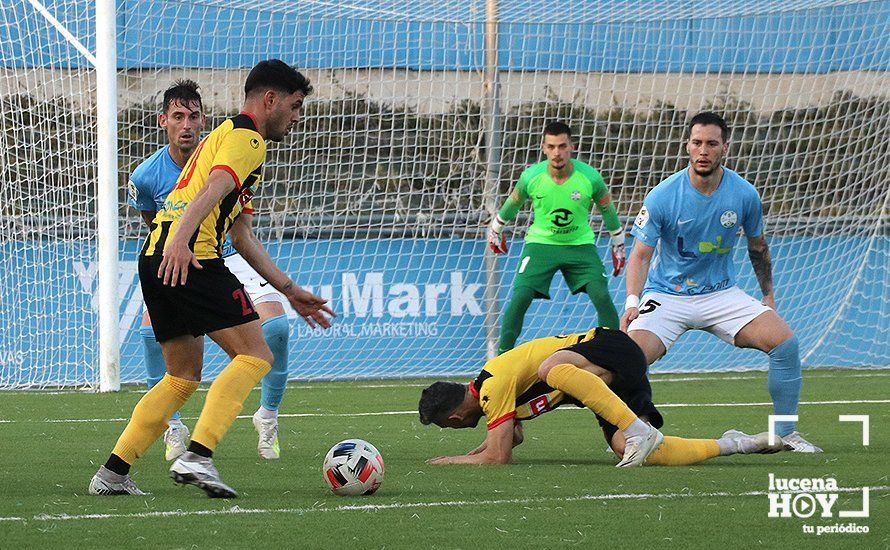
[353, 467]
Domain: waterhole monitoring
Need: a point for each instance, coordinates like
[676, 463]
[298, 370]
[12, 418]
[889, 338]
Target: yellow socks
[593, 392]
[151, 414]
[676, 451]
[226, 397]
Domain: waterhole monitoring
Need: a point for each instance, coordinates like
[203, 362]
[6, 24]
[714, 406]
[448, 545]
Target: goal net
[380, 198]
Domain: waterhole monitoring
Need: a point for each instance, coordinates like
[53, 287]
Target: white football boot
[193, 469]
[267, 428]
[638, 448]
[795, 442]
[107, 483]
[752, 444]
[176, 440]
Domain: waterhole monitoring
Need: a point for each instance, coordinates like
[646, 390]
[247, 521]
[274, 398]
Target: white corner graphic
[857, 418]
[857, 513]
[773, 418]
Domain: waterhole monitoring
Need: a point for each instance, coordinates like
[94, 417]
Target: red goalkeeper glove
[496, 241]
[619, 255]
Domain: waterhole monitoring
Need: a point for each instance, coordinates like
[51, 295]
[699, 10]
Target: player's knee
[558, 358]
[651, 344]
[790, 347]
[187, 370]
[276, 329]
[545, 368]
[263, 352]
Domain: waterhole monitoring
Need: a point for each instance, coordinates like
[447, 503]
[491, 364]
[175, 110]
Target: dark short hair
[708, 118]
[438, 401]
[275, 74]
[183, 91]
[557, 129]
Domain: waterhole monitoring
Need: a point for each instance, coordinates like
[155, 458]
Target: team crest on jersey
[255, 143]
[576, 195]
[728, 219]
[642, 218]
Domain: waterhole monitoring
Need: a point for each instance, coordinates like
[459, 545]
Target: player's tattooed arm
[758, 252]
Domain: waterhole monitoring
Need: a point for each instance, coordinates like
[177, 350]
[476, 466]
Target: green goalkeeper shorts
[580, 265]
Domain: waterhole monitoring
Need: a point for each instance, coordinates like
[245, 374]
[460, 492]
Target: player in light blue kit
[687, 229]
[183, 119]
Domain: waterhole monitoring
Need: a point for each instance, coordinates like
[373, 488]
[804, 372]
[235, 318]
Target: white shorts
[257, 288]
[721, 313]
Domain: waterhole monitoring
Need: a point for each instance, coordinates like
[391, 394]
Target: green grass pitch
[561, 491]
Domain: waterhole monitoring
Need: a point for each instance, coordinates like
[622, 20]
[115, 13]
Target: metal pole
[106, 195]
[492, 123]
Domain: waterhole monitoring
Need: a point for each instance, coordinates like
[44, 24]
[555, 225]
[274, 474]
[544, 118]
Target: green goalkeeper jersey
[561, 210]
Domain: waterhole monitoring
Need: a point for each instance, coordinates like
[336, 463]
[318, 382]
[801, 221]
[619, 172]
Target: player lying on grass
[603, 370]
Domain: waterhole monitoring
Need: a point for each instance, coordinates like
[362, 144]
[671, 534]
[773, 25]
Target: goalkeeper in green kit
[562, 190]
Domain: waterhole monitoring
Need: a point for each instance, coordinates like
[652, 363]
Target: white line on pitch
[236, 510]
[655, 378]
[391, 413]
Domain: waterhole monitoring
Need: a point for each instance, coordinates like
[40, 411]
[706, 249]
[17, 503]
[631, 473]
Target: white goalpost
[423, 118]
[107, 195]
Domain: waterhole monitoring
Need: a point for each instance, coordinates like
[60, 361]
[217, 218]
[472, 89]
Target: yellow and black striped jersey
[234, 146]
[508, 386]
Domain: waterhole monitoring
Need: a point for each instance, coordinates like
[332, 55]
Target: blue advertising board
[415, 308]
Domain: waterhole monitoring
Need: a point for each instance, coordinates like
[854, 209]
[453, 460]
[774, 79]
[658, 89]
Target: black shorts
[614, 351]
[212, 299]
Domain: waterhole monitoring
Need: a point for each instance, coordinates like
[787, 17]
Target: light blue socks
[784, 381]
[155, 368]
[276, 331]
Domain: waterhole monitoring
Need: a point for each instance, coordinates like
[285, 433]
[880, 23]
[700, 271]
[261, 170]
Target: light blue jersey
[152, 181]
[694, 234]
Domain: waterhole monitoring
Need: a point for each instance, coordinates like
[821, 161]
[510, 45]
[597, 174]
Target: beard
[703, 173]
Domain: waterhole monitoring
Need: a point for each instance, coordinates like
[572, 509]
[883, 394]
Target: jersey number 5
[649, 306]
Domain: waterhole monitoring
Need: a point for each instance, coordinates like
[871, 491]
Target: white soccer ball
[353, 467]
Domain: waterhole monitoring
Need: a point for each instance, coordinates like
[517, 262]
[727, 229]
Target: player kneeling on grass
[603, 370]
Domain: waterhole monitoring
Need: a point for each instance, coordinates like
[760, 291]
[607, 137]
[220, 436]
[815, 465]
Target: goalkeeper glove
[496, 240]
[619, 256]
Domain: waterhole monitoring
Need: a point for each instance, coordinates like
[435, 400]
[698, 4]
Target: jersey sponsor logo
[704, 247]
[728, 219]
[706, 289]
[264, 283]
[642, 218]
[561, 217]
[681, 250]
[133, 191]
[684, 222]
[175, 207]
